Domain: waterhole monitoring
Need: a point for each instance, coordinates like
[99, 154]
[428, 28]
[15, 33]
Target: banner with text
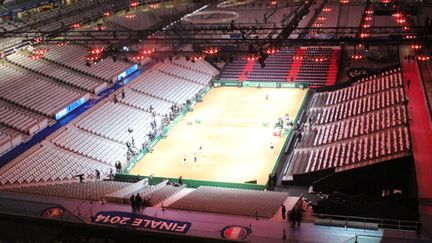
[124, 219]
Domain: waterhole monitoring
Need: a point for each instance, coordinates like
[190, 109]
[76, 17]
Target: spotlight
[297, 57]
[99, 28]
[211, 50]
[38, 39]
[251, 57]
[147, 51]
[416, 46]
[319, 59]
[271, 51]
[356, 57]
[364, 35]
[130, 16]
[423, 58]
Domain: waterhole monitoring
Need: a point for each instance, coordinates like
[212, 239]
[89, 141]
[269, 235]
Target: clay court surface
[228, 124]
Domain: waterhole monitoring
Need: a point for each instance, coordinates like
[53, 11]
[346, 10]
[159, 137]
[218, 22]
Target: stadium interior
[215, 121]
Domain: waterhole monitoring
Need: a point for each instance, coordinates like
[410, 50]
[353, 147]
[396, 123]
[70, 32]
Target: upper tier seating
[165, 86]
[313, 72]
[73, 57]
[277, 68]
[58, 73]
[47, 162]
[354, 126]
[185, 73]
[34, 93]
[8, 139]
[199, 66]
[92, 146]
[235, 201]
[89, 190]
[281, 67]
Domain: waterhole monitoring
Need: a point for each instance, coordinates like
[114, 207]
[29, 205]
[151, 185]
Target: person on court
[195, 158]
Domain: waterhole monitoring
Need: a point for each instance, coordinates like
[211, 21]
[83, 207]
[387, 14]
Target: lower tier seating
[48, 162]
[89, 190]
[235, 201]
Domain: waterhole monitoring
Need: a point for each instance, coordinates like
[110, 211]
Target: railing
[365, 222]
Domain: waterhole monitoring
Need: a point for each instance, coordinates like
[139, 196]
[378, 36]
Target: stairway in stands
[295, 66]
[246, 71]
[333, 69]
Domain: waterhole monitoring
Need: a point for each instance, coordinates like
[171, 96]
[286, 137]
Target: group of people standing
[294, 216]
[136, 202]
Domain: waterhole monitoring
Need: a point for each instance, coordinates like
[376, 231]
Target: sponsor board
[131, 220]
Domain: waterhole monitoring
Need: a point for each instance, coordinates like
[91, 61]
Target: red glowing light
[271, 51]
[416, 46]
[423, 58]
[154, 5]
[101, 28]
[298, 58]
[369, 11]
[139, 57]
[40, 51]
[326, 9]
[76, 25]
[410, 37]
[397, 15]
[364, 35]
[96, 50]
[35, 56]
[319, 59]
[368, 18]
[344, 1]
[130, 16]
[134, 4]
[366, 25]
[251, 58]
[356, 57]
[63, 43]
[147, 51]
[322, 18]
[107, 14]
[318, 25]
[211, 50]
[401, 20]
[37, 39]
